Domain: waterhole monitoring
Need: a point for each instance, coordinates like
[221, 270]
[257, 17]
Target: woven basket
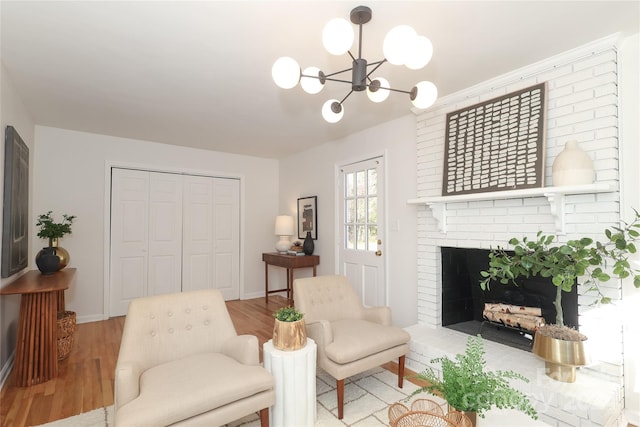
[425, 412]
[66, 323]
[66, 329]
[64, 346]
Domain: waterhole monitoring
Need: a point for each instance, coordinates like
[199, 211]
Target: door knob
[378, 253]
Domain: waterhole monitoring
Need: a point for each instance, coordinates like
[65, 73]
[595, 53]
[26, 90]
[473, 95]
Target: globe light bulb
[421, 53]
[311, 85]
[426, 95]
[398, 43]
[332, 116]
[376, 91]
[337, 36]
[285, 72]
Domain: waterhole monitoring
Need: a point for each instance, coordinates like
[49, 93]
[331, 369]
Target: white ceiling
[198, 73]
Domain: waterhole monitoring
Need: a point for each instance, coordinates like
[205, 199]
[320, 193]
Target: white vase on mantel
[572, 166]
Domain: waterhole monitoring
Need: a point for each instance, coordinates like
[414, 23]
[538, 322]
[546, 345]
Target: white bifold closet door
[211, 236]
[172, 232]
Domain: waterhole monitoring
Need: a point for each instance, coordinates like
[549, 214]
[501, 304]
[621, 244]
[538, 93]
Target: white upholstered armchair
[350, 338]
[181, 363]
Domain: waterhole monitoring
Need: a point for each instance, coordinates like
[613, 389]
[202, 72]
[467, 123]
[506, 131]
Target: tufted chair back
[170, 327]
[328, 298]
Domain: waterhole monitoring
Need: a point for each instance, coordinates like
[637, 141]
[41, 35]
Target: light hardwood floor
[85, 379]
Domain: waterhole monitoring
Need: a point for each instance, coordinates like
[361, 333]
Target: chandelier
[402, 46]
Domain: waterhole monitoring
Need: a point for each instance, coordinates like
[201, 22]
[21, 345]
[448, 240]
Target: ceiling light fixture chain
[402, 46]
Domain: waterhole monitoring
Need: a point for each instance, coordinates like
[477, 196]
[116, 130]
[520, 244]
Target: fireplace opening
[463, 300]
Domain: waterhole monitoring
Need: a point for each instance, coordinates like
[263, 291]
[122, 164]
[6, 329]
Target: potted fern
[469, 387]
[289, 330]
[561, 347]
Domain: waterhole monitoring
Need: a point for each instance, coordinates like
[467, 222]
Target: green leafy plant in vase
[289, 329]
[564, 264]
[469, 387]
[49, 229]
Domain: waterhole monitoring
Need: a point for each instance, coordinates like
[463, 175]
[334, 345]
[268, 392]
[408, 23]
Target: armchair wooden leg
[400, 371]
[264, 417]
[340, 390]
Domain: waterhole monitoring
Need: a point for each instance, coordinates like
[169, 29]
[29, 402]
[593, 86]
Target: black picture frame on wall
[308, 217]
[15, 208]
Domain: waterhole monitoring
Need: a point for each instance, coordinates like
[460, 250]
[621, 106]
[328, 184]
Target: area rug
[102, 417]
[367, 397]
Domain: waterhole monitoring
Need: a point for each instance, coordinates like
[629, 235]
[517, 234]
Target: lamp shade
[284, 225]
[422, 51]
[285, 72]
[426, 96]
[381, 92]
[329, 115]
[311, 84]
[398, 44]
[337, 36]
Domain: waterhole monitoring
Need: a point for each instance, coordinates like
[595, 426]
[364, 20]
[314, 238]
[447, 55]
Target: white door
[129, 238]
[146, 236]
[211, 253]
[165, 233]
[361, 221]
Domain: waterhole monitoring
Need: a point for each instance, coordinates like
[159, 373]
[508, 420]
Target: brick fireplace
[582, 105]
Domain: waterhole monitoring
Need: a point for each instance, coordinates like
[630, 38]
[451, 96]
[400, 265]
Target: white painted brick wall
[582, 105]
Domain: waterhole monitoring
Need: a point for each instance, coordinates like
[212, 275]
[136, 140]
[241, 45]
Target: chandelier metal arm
[345, 98]
[377, 65]
[339, 72]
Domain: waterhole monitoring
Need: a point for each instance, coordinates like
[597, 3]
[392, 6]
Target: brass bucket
[289, 336]
[561, 357]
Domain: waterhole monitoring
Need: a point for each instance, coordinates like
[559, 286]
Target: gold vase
[561, 357]
[289, 336]
[62, 253]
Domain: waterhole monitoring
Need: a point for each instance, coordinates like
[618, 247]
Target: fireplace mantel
[554, 195]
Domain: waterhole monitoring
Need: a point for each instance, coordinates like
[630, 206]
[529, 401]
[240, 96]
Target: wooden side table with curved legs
[42, 296]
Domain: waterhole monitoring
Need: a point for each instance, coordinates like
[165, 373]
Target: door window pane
[350, 237]
[350, 214]
[373, 238]
[361, 213]
[349, 185]
[372, 181]
[361, 243]
[361, 184]
[372, 210]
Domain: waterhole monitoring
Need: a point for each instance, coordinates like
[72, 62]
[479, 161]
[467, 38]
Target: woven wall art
[496, 145]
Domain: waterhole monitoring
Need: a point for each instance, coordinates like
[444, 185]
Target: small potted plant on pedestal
[289, 330]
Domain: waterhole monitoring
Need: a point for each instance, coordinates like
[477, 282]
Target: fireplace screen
[496, 145]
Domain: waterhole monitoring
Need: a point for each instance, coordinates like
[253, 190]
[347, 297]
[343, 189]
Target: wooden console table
[42, 296]
[290, 262]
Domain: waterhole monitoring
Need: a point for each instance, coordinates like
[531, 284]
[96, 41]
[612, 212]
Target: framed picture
[308, 217]
[15, 209]
[496, 145]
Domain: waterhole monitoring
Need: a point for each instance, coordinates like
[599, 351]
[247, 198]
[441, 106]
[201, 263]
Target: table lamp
[284, 229]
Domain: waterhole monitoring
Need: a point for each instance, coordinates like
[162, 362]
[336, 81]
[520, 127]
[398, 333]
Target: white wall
[69, 177]
[630, 197]
[12, 113]
[312, 173]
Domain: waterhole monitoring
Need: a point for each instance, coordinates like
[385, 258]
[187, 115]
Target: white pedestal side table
[294, 373]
